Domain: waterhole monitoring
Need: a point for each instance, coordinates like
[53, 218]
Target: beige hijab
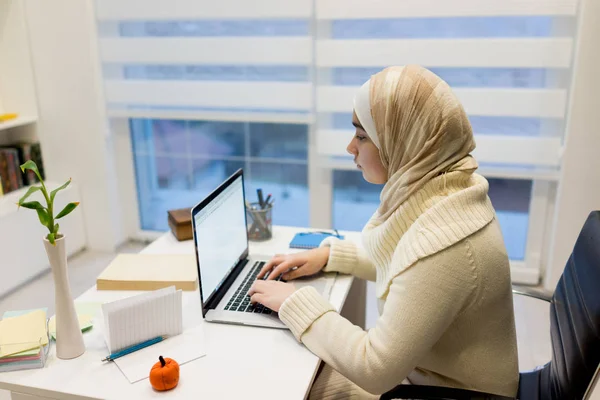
[420, 128]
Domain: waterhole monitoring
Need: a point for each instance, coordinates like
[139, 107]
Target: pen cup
[260, 222]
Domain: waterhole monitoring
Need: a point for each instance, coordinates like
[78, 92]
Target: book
[14, 170]
[10, 171]
[30, 151]
[24, 150]
[36, 156]
[4, 177]
[149, 272]
[310, 240]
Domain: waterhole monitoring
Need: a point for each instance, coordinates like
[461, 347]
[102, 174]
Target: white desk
[241, 362]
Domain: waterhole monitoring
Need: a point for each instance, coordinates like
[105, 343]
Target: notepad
[310, 240]
[23, 333]
[183, 348]
[143, 317]
[85, 324]
[149, 272]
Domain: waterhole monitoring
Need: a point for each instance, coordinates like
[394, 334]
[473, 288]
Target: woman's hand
[306, 263]
[270, 294]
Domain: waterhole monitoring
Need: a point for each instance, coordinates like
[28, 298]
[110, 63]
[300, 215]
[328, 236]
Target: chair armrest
[438, 393]
[531, 292]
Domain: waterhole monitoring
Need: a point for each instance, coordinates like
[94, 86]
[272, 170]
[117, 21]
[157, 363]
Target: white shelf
[19, 121]
[21, 246]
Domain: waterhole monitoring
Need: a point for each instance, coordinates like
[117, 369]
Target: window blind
[225, 60]
[508, 62]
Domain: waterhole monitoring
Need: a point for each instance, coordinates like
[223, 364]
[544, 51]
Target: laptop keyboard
[240, 301]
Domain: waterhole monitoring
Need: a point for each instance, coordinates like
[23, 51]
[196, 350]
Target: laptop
[226, 270]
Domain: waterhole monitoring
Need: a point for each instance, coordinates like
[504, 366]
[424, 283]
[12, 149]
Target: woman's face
[366, 155]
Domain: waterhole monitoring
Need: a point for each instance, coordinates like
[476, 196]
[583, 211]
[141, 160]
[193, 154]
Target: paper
[149, 272]
[85, 323]
[139, 318]
[22, 333]
[16, 313]
[182, 348]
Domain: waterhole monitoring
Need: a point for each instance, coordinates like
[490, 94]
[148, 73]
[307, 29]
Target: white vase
[69, 340]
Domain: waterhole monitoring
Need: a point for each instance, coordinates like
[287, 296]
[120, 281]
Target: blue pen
[136, 347]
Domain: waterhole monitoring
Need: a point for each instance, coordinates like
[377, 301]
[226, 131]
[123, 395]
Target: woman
[433, 247]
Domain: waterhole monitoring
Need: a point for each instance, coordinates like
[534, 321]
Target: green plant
[45, 214]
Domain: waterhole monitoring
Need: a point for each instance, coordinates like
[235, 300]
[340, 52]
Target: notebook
[310, 240]
[149, 272]
[143, 317]
[146, 316]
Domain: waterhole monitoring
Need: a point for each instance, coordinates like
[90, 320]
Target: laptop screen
[221, 236]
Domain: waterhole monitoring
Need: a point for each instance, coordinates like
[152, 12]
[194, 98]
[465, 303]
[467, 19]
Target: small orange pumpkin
[164, 375]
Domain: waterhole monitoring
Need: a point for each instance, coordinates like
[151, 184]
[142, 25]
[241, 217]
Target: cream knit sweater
[443, 283]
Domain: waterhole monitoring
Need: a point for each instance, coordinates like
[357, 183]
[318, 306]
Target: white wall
[17, 91]
[72, 128]
[579, 188]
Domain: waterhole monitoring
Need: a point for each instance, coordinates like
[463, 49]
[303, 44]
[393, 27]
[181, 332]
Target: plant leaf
[50, 238]
[43, 216]
[55, 230]
[68, 208]
[53, 193]
[31, 190]
[32, 205]
[32, 166]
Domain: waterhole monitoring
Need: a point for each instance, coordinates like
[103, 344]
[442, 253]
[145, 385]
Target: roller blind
[508, 61]
[229, 60]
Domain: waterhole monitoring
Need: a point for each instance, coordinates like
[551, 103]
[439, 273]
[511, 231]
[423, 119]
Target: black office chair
[574, 333]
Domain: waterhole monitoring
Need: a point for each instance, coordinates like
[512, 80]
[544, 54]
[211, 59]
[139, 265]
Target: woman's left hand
[271, 294]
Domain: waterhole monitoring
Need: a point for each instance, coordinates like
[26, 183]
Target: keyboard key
[266, 310]
[227, 307]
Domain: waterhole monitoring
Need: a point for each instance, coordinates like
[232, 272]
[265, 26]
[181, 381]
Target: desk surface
[241, 362]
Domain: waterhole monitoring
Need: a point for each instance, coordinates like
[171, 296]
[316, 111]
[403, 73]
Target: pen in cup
[261, 201]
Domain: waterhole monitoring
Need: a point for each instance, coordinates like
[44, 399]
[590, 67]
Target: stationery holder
[259, 222]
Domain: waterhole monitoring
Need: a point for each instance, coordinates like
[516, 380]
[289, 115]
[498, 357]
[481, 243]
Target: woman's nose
[351, 149]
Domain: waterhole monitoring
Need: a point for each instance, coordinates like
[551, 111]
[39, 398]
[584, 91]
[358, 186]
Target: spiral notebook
[311, 240]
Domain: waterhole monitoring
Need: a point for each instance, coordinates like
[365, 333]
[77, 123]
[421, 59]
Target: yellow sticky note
[85, 322]
[22, 333]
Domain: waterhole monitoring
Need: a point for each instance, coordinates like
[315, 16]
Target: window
[178, 163]
[268, 86]
[355, 200]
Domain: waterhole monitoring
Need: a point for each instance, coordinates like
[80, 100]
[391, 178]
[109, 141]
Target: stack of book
[11, 177]
[23, 340]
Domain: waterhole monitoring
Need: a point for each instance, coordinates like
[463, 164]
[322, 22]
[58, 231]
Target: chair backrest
[574, 325]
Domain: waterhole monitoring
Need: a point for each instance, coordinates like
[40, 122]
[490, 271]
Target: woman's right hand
[306, 263]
